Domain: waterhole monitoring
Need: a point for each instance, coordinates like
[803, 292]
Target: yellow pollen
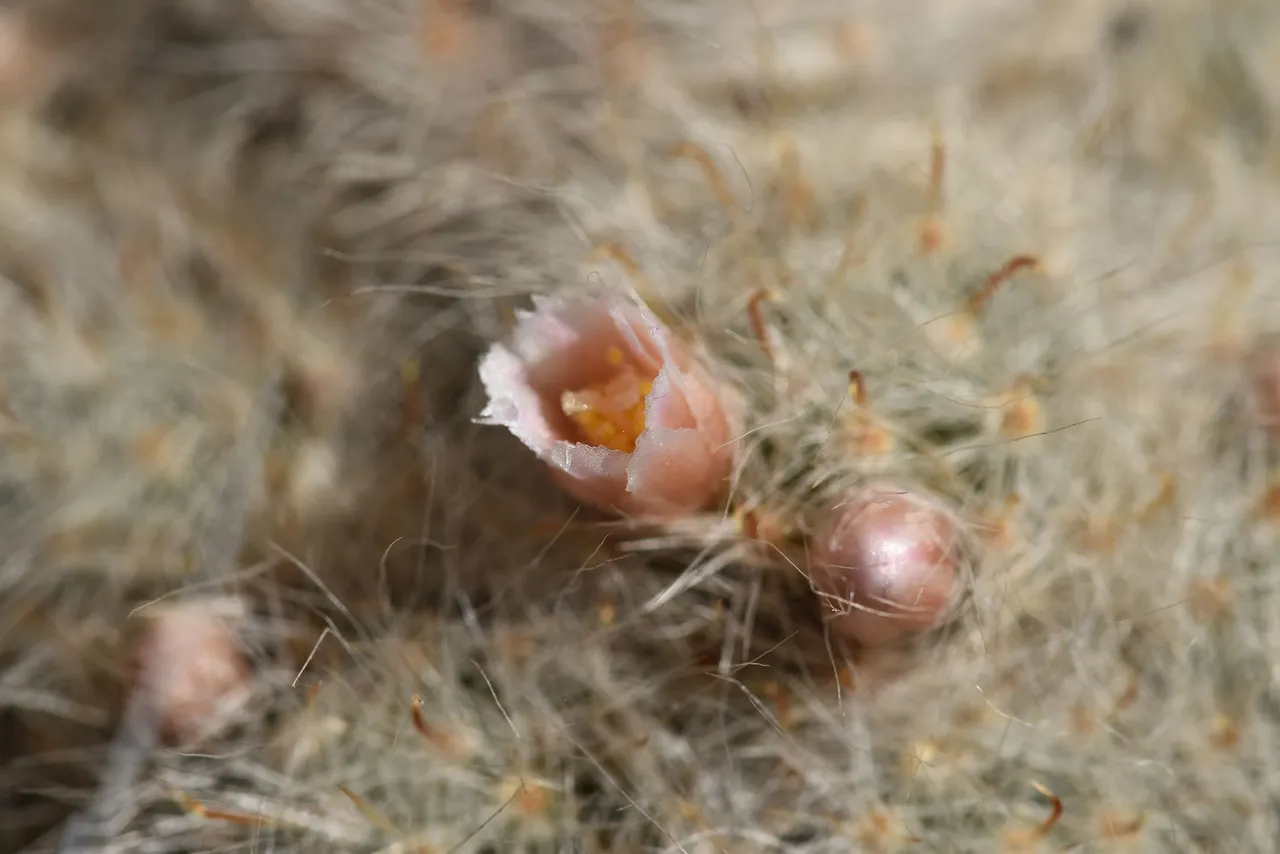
[610, 414]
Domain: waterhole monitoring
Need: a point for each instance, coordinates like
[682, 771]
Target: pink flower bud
[1266, 385]
[190, 672]
[603, 393]
[885, 562]
[28, 67]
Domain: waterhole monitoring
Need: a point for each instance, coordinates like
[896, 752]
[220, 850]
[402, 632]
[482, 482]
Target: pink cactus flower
[885, 561]
[607, 396]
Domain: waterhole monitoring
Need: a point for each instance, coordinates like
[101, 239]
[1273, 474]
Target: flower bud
[885, 561]
[1266, 386]
[190, 672]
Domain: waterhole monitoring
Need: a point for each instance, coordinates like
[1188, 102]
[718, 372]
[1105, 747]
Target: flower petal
[564, 344]
[671, 473]
[513, 403]
[667, 405]
[590, 473]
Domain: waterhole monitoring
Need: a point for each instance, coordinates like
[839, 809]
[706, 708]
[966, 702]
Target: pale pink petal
[684, 453]
[673, 470]
[514, 404]
[563, 344]
[886, 560]
[669, 406]
[590, 473]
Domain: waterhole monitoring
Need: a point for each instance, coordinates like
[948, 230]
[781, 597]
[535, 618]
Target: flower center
[610, 413]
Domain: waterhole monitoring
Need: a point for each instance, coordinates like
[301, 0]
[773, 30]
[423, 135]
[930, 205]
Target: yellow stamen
[610, 414]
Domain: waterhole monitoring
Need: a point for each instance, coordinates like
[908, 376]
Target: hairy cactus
[271, 273]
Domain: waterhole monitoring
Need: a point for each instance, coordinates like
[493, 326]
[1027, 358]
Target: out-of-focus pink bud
[1266, 386]
[27, 64]
[190, 672]
[603, 393]
[885, 561]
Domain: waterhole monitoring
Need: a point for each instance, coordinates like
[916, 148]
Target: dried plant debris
[439, 426]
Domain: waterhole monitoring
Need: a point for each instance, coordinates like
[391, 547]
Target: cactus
[1015, 258]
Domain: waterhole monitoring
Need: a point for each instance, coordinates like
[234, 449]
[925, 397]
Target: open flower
[886, 561]
[603, 393]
